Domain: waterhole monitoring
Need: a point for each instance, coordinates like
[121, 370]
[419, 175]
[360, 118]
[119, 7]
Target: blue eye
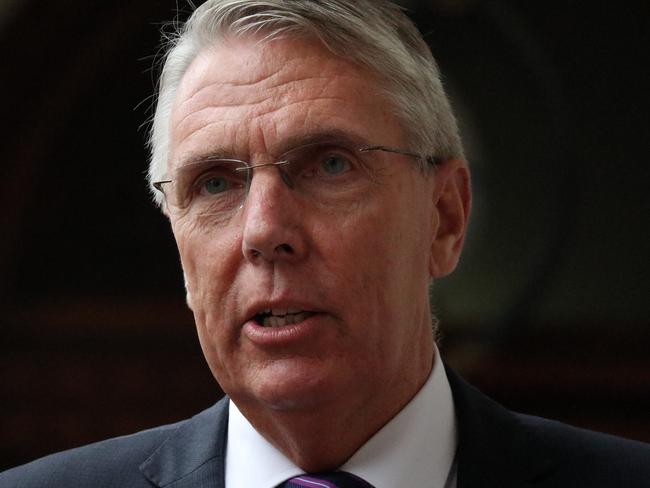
[214, 186]
[335, 164]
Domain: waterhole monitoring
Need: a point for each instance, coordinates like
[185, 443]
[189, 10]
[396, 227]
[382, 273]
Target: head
[251, 80]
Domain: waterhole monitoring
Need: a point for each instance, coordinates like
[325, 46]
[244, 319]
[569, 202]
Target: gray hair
[384, 39]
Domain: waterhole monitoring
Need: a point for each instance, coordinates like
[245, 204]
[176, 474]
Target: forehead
[244, 97]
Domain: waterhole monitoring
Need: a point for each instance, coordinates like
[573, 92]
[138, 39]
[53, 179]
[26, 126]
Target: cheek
[209, 264]
[361, 264]
[383, 244]
[384, 253]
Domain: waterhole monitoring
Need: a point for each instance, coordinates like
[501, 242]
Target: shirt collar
[415, 448]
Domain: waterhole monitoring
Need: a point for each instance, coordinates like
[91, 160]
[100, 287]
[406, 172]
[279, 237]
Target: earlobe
[452, 200]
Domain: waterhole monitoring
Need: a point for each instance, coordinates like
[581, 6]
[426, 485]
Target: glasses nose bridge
[281, 167]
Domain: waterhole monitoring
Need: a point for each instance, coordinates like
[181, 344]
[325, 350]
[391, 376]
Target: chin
[297, 385]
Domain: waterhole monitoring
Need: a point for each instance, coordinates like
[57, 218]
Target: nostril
[285, 248]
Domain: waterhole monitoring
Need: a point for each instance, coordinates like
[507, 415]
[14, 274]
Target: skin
[320, 390]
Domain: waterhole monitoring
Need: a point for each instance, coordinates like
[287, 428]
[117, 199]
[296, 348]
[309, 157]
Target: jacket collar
[494, 448]
[194, 454]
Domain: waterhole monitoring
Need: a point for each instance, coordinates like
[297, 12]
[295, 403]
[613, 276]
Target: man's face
[361, 268]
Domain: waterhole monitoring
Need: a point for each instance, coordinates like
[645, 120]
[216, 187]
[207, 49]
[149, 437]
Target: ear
[452, 200]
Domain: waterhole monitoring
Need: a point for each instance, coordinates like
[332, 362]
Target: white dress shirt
[416, 448]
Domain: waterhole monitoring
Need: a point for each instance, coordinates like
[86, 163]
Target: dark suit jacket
[497, 448]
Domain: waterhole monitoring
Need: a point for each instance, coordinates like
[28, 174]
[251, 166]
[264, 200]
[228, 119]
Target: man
[310, 165]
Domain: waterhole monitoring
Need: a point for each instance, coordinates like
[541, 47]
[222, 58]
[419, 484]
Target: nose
[273, 229]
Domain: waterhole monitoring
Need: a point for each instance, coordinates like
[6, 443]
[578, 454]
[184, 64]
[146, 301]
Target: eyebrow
[327, 135]
[321, 135]
[198, 157]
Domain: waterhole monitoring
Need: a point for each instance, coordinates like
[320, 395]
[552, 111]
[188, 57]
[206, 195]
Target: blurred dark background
[548, 311]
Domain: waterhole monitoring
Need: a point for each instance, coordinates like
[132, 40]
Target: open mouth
[282, 317]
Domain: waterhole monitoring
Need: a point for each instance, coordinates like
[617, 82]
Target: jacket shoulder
[498, 448]
[112, 462]
[588, 458]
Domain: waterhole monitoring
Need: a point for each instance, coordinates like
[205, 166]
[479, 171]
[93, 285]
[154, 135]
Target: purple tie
[338, 479]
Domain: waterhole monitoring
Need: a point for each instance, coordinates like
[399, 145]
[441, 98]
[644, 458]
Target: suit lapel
[194, 454]
[494, 448]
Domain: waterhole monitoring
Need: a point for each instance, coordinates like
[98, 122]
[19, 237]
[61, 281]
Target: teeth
[279, 311]
[294, 310]
[273, 321]
[291, 318]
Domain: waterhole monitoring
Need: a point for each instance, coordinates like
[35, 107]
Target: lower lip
[285, 335]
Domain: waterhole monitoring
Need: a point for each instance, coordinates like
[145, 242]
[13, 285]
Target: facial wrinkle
[290, 105]
[264, 78]
[259, 79]
[285, 86]
[216, 105]
[201, 127]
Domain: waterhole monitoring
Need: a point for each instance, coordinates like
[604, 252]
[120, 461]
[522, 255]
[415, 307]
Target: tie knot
[338, 479]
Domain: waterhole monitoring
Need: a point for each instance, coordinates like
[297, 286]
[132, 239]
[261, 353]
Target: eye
[334, 164]
[218, 178]
[215, 185]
